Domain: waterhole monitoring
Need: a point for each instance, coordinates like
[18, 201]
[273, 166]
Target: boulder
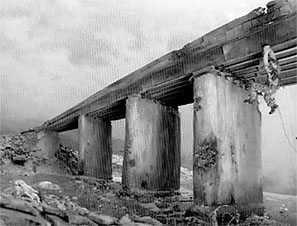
[19, 159]
[49, 185]
[12, 217]
[102, 219]
[147, 220]
[56, 221]
[151, 206]
[126, 221]
[9, 202]
[47, 209]
[25, 192]
[79, 220]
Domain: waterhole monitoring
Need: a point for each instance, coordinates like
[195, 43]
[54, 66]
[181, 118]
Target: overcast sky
[55, 53]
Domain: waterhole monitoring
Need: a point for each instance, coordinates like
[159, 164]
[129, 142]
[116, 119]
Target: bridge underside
[178, 92]
[167, 79]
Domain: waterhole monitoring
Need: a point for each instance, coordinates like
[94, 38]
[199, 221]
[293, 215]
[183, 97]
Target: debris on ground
[23, 199]
[70, 157]
[15, 147]
[261, 221]
[31, 195]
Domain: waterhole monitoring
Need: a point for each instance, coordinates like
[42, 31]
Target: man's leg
[269, 99]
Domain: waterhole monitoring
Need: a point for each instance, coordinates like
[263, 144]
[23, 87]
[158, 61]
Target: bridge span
[210, 72]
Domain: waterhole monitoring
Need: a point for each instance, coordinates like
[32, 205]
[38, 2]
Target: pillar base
[95, 153]
[152, 146]
[227, 144]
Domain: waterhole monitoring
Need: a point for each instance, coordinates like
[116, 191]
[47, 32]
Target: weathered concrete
[95, 152]
[227, 144]
[48, 142]
[152, 146]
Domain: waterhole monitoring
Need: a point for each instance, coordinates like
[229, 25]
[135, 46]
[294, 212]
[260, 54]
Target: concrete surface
[227, 144]
[152, 146]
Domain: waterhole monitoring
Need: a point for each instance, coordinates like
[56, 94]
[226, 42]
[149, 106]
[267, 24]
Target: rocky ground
[40, 191]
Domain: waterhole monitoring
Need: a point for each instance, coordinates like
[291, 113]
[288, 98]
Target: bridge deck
[235, 46]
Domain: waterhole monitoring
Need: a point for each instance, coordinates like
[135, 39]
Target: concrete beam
[48, 142]
[227, 144]
[152, 146]
[95, 152]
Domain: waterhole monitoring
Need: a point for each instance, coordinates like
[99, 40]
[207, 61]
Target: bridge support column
[48, 142]
[95, 153]
[152, 146]
[227, 143]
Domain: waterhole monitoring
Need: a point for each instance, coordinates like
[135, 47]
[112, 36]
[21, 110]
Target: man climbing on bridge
[268, 89]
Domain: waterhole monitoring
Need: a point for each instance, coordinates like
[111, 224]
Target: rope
[285, 131]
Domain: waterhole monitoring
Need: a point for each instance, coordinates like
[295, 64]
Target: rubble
[69, 157]
[57, 210]
[261, 221]
[22, 198]
[47, 204]
[15, 147]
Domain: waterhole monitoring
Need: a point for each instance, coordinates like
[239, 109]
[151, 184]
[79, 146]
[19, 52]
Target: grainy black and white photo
[148, 112]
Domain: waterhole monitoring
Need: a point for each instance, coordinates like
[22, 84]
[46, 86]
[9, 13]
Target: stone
[25, 192]
[55, 221]
[79, 220]
[102, 219]
[125, 220]
[151, 206]
[54, 211]
[81, 210]
[49, 185]
[147, 220]
[202, 212]
[10, 202]
[19, 159]
[12, 217]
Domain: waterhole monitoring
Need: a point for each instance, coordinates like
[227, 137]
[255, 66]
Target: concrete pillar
[95, 153]
[152, 146]
[227, 143]
[48, 143]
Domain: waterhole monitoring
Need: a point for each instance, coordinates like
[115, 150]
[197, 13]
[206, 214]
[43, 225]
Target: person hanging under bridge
[268, 90]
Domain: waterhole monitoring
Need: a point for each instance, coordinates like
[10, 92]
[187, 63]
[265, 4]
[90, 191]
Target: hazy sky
[55, 53]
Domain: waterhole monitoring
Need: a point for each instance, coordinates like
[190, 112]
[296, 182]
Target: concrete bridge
[211, 73]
